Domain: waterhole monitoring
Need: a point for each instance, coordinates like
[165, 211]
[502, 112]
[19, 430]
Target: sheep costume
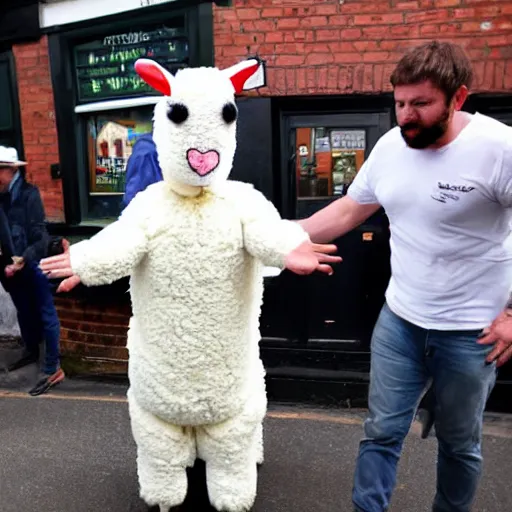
[194, 245]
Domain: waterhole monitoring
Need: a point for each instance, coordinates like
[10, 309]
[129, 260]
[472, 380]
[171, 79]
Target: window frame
[15, 133]
[70, 124]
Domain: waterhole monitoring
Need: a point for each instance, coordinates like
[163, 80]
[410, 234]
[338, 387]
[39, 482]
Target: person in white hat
[23, 242]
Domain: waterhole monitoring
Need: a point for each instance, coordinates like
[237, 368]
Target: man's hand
[309, 257]
[60, 266]
[11, 269]
[499, 333]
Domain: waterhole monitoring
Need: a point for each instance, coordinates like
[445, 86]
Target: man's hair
[445, 64]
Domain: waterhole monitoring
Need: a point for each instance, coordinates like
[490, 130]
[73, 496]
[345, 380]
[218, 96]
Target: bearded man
[444, 178]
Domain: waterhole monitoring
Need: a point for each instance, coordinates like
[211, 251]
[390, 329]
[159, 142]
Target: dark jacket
[142, 168]
[24, 214]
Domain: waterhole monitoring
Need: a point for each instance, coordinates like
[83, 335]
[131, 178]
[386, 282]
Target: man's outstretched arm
[335, 220]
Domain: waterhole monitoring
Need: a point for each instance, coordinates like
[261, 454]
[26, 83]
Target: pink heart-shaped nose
[202, 163]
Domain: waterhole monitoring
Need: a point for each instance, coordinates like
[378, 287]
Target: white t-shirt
[449, 211]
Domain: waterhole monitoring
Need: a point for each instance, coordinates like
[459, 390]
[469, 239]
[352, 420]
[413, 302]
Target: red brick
[365, 46]
[265, 25]
[288, 23]
[377, 32]
[351, 33]
[328, 9]
[248, 14]
[447, 3]
[375, 56]
[346, 79]
[301, 79]
[368, 7]
[313, 21]
[274, 37]
[476, 13]
[347, 57]
[378, 73]
[427, 16]
[342, 21]
[332, 78]
[406, 6]
[289, 60]
[327, 35]
[290, 48]
[428, 30]
[342, 47]
[315, 59]
[322, 80]
[488, 77]
[272, 13]
[506, 78]
[233, 51]
[246, 39]
[379, 19]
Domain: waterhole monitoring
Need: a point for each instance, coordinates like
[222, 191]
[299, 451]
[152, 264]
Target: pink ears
[246, 75]
[154, 75]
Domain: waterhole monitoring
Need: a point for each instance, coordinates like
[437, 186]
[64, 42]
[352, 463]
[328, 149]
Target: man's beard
[426, 135]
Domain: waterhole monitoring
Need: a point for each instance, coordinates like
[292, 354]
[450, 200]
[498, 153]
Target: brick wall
[38, 122]
[93, 336]
[345, 46]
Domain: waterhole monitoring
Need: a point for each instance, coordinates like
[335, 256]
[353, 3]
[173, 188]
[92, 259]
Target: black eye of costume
[177, 113]
[229, 113]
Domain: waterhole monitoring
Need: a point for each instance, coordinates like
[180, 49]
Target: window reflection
[328, 160]
[110, 139]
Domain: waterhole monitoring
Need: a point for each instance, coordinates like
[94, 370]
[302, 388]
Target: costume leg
[164, 452]
[229, 451]
[463, 382]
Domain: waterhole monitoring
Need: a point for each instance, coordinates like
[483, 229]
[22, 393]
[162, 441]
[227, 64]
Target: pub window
[115, 106]
[328, 160]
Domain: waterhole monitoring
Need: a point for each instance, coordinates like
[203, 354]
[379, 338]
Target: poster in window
[348, 148]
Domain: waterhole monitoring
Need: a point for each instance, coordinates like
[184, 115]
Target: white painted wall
[61, 12]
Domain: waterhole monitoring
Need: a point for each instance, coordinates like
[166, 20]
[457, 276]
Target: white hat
[9, 157]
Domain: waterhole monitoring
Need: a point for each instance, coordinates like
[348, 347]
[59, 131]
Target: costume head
[195, 121]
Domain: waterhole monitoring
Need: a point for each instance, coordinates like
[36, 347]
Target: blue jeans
[405, 358]
[31, 294]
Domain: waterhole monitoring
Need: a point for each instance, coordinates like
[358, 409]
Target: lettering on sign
[104, 68]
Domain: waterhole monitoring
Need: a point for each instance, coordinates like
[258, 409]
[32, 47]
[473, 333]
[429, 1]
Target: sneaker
[47, 382]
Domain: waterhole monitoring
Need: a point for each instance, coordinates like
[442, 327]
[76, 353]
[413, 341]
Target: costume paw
[231, 490]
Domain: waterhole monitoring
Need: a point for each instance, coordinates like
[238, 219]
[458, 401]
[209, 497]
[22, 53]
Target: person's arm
[499, 333]
[336, 219]
[37, 235]
[109, 255]
[142, 169]
[278, 242]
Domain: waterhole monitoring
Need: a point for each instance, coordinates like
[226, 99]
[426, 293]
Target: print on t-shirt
[444, 192]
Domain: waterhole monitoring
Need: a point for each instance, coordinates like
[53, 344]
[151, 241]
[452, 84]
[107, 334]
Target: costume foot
[426, 419]
[232, 491]
[26, 359]
[47, 382]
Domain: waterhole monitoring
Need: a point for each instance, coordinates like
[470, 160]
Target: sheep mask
[194, 124]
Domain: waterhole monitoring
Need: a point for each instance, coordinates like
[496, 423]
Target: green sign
[104, 67]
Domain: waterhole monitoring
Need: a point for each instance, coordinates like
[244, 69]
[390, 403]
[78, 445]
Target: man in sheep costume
[195, 245]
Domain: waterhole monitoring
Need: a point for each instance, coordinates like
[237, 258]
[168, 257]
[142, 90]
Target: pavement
[71, 450]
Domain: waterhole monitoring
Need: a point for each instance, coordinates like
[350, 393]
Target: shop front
[300, 141]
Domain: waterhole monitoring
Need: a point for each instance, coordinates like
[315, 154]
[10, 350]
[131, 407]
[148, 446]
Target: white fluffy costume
[194, 246]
